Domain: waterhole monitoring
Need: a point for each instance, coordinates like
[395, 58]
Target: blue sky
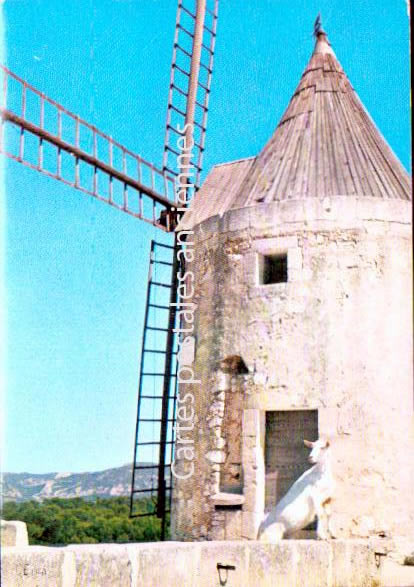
[75, 268]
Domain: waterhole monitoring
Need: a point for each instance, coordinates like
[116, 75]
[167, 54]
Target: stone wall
[209, 564]
[14, 534]
[337, 338]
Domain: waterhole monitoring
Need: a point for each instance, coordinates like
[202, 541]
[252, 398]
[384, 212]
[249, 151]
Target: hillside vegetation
[60, 521]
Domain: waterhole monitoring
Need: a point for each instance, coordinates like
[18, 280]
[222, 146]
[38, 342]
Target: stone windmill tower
[303, 326]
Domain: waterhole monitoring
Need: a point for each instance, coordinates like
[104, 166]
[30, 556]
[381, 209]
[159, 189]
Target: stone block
[103, 564]
[216, 556]
[268, 246]
[353, 563]
[223, 381]
[295, 260]
[251, 270]
[216, 456]
[272, 564]
[216, 532]
[290, 211]
[254, 492]
[14, 533]
[395, 574]
[388, 210]
[233, 525]
[251, 422]
[166, 564]
[250, 524]
[236, 220]
[313, 563]
[37, 566]
[229, 499]
[205, 229]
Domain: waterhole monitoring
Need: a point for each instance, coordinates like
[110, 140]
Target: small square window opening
[273, 269]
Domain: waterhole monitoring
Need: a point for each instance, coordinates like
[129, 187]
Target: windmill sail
[190, 81]
[154, 436]
[46, 136]
[188, 97]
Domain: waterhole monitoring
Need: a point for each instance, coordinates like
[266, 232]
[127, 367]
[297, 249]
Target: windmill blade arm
[190, 82]
[147, 193]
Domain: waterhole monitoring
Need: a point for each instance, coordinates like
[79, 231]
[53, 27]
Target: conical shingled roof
[326, 144]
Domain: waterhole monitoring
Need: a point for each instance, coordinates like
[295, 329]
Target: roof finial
[317, 27]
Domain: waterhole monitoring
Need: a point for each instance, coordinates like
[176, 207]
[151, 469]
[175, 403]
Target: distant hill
[108, 483]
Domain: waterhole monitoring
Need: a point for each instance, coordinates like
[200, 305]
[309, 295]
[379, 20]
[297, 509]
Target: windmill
[77, 153]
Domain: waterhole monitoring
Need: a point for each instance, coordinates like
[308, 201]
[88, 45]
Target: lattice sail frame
[190, 80]
[157, 391]
[58, 143]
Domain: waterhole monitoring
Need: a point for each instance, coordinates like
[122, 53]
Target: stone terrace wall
[290, 563]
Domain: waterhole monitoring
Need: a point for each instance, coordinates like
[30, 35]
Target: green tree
[59, 521]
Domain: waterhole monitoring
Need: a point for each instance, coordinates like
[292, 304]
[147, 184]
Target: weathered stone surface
[222, 498]
[37, 566]
[216, 456]
[308, 344]
[314, 556]
[353, 563]
[273, 564]
[14, 533]
[233, 525]
[224, 554]
[395, 574]
[107, 564]
[291, 563]
[164, 565]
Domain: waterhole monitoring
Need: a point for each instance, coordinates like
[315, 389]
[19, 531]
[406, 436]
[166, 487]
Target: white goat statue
[308, 498]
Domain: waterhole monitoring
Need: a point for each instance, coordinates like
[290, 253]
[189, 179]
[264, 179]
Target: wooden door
[286, 457]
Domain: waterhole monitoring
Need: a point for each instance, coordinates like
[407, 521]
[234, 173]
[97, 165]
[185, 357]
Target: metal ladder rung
[186, 31]
[206, 67]
[200, 126]
[176, 110]
[181, 69]
[187, 11]
[177, 46]
[179, 90]
[152, 442]
[164, 245]
[208, 29]
[192, 163]
[171, 171]
[177, 132]
[207, 48]
[156, 351]
[156, 420]
[162, 263]
[203, 106]
[205, 88]
[157, 328]
[159, 284]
